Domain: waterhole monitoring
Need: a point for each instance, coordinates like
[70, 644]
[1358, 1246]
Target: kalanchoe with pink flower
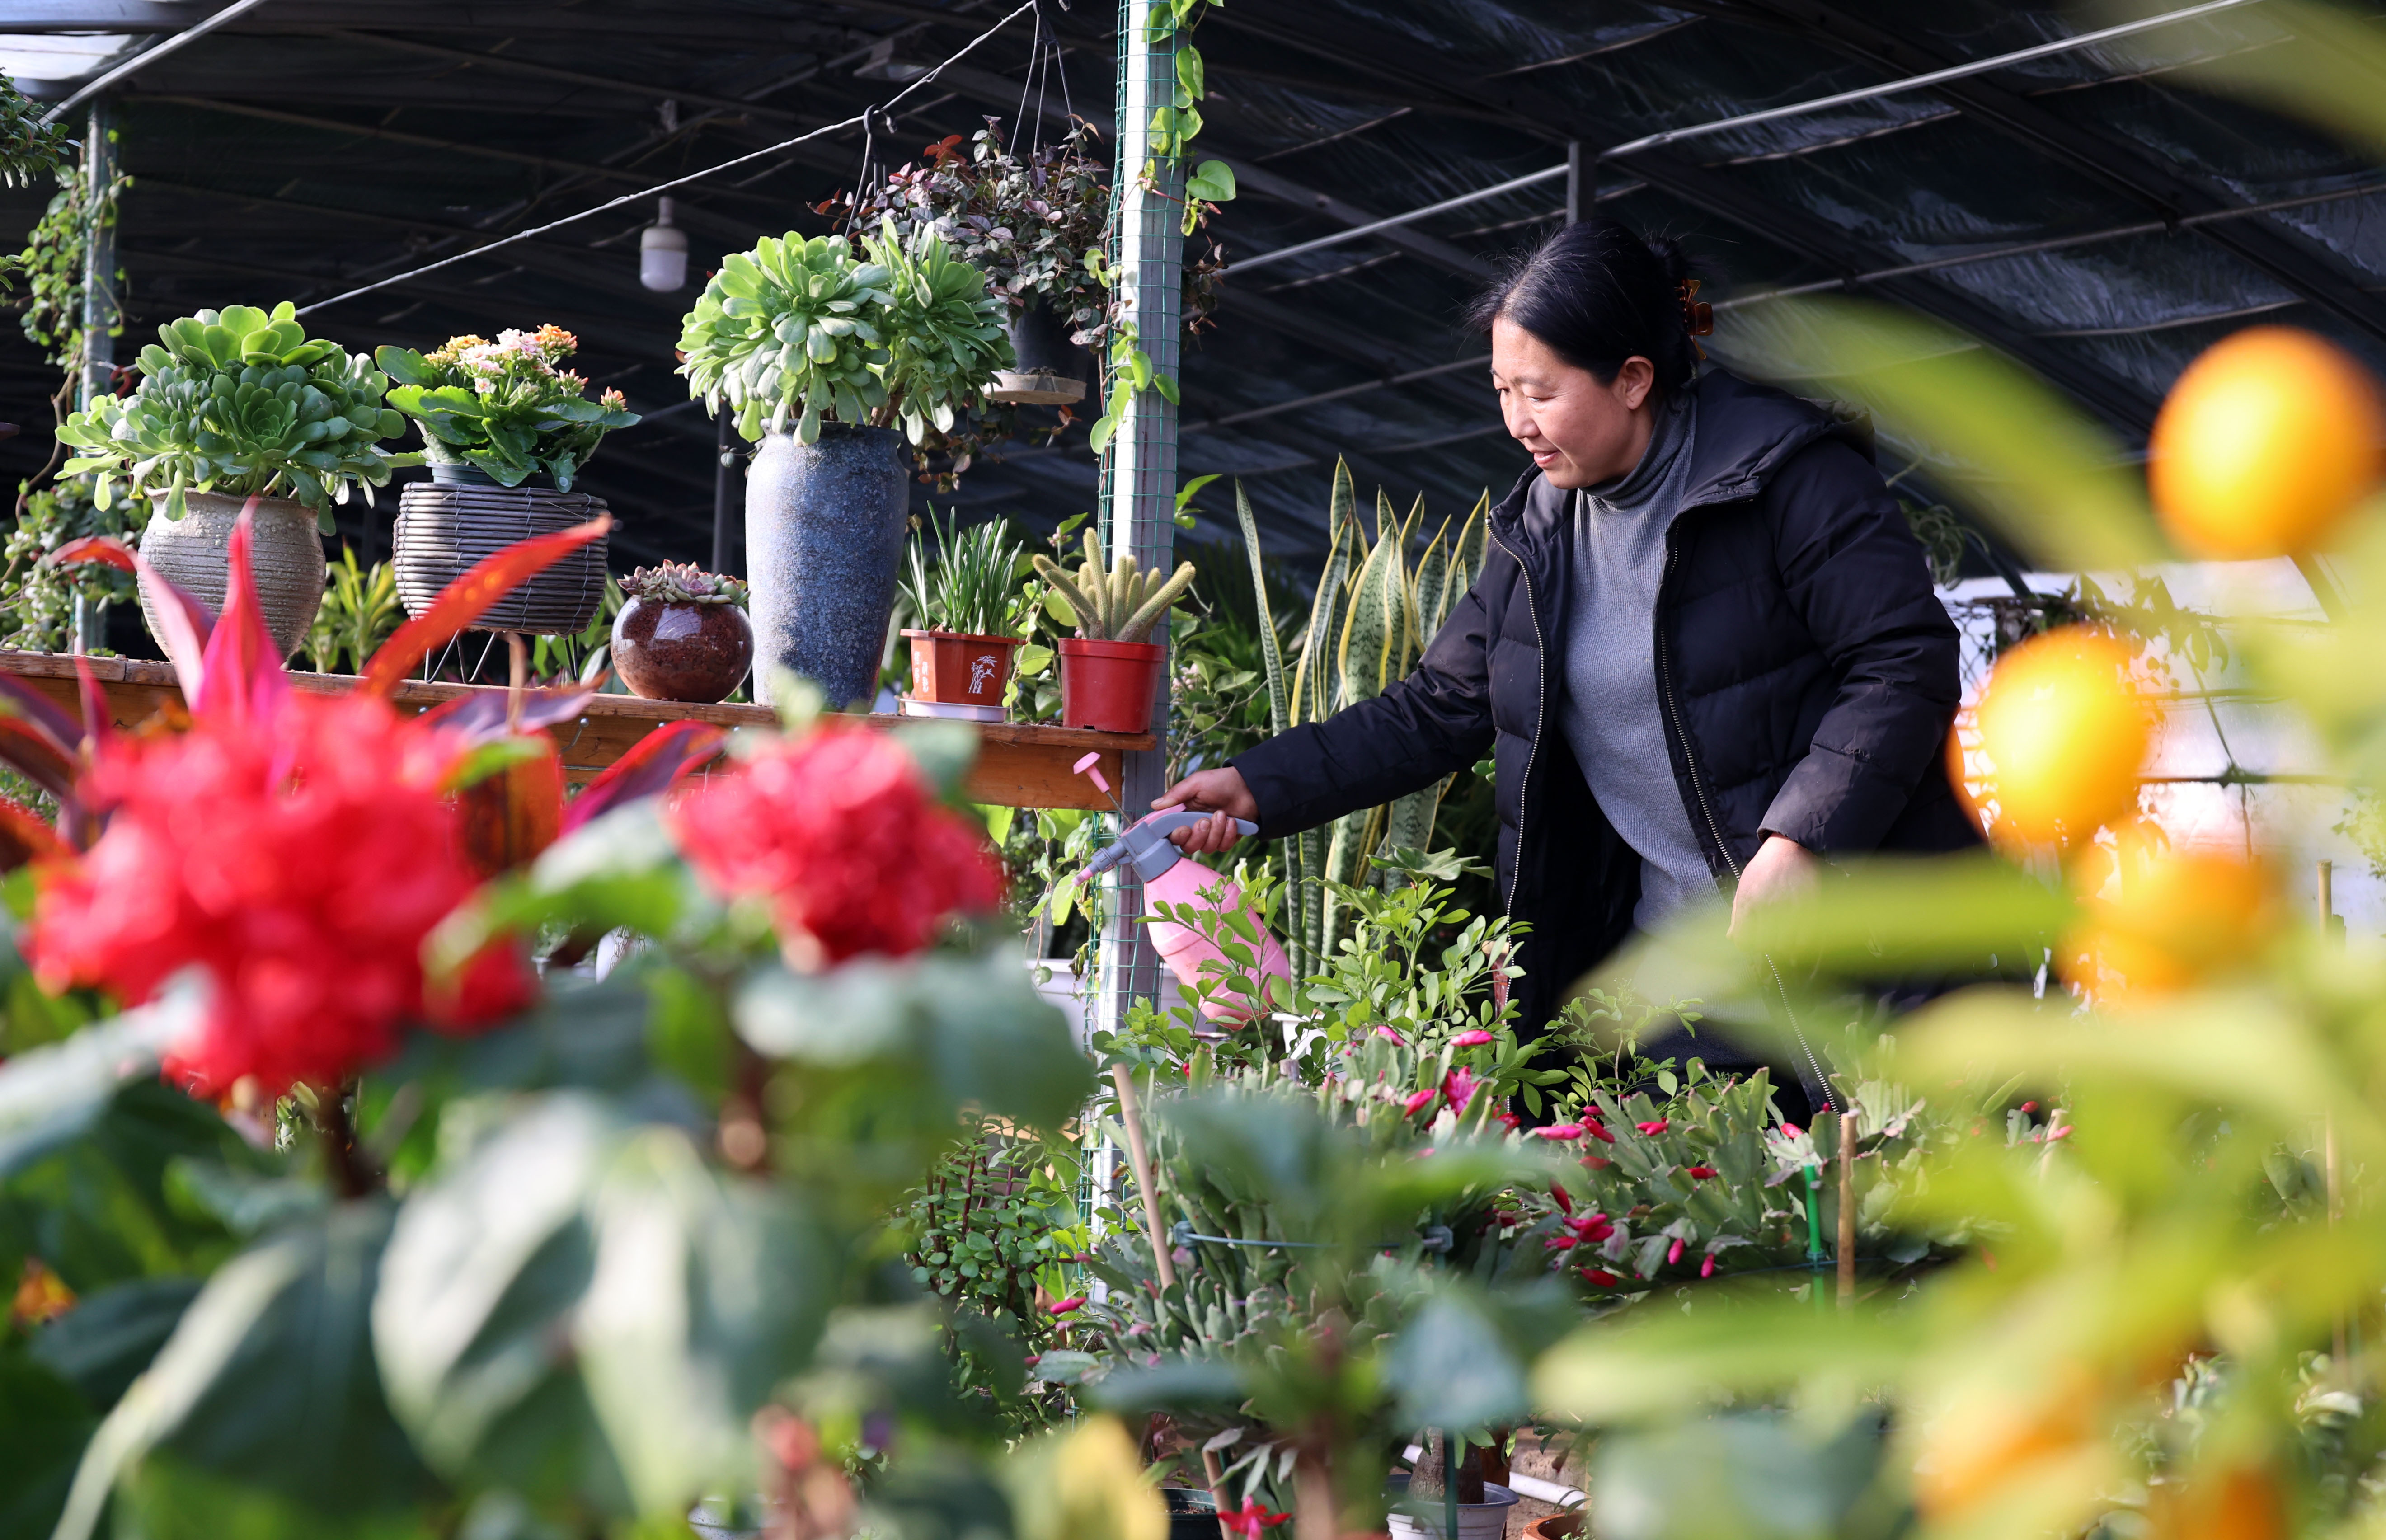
[508, 409]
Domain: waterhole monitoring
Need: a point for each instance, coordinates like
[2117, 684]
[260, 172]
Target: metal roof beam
[503, 64]
[2117, 164]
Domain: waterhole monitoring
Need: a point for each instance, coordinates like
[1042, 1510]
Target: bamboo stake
[1139, 1156]
[1847, 1132]
[2339, 1354]
[517, 676]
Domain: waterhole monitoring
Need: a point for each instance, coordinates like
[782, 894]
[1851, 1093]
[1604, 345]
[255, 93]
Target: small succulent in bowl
[683, 582]
[683, 635]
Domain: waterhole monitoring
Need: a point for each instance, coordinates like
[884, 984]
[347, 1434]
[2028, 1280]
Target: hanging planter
[193, 552]
[1052, 368]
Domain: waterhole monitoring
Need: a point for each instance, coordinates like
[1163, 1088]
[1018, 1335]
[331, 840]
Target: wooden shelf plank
[1018, 764]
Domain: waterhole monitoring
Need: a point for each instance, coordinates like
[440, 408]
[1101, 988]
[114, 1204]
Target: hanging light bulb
[662, 252]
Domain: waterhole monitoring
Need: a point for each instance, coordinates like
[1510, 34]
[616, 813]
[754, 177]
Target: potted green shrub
[969, 606]
[821, 351]
[683, 634]
[1110, 673]
[236, 403]
[507, 428]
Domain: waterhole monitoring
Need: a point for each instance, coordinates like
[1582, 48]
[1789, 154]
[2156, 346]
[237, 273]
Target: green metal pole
[1138, 498]
[1814, 1258]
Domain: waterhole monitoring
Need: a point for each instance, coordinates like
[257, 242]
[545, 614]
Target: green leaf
[110, 1336]
[1213, 181]
[270, 1379]
[43, 1426]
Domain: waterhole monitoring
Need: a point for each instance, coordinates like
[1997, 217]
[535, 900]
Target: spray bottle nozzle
[1145, 842]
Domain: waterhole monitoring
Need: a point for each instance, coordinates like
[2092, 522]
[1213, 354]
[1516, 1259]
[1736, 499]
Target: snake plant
[1121, 604]
[1368, 626]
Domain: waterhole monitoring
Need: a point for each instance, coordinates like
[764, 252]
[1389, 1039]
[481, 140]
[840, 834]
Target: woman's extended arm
[1434, 722]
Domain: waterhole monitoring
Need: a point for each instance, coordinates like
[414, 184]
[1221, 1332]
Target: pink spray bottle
[1169, 878]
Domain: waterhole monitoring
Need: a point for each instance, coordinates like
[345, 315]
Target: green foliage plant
[37, 596]
[1117, 603]
[29, 148]
[359, 611]
[797, 332]
[242, 402]
[507, 407]
[973, 587]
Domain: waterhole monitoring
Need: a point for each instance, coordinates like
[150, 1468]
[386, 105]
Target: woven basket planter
[444, 529]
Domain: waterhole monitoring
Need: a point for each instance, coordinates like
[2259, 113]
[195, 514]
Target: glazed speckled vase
[824, 530]
[195, 552]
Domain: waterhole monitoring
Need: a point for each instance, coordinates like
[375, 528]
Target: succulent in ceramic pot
[683, 634]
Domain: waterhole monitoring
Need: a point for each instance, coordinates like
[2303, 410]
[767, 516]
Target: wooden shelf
[1018, 764]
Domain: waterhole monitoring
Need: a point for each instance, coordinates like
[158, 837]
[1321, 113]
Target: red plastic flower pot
[958, 669]
[1109, 686]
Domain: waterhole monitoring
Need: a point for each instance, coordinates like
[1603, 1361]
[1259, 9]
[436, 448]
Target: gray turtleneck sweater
[1612, 715]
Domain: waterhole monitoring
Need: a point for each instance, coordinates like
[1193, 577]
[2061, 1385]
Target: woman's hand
[1780, 868]
[1221, 793]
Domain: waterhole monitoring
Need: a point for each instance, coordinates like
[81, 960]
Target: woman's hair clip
[1699, 319]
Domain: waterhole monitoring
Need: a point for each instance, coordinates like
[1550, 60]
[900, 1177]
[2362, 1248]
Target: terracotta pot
[1557, 1526]
[694, 652]
[956, 668]
[1109, 686]
[286, 555]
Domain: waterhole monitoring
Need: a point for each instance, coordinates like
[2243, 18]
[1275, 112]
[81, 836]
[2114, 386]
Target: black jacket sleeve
[1433, 723]
[1858, 578]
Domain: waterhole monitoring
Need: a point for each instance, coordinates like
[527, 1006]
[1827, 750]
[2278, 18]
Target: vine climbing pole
[102, 315]
[1138, 497]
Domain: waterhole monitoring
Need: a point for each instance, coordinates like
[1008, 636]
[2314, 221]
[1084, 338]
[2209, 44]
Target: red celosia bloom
[1602, 1277]
[842, 833]
[1701, 1172]
[1249, 1519]
[297, 858]
[1417, 1101]
[1653, 1127]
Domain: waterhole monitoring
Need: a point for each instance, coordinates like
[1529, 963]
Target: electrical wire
[861, 120]
[150, 56]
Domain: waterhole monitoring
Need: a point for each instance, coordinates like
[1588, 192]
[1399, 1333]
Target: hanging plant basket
[1051, 369]
[448, 524]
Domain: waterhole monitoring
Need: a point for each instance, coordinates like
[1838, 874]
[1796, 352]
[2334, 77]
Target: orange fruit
[1969, 1453]
[2265, 444]
[2063, 732]
[2246, 1503]
[2161, 920]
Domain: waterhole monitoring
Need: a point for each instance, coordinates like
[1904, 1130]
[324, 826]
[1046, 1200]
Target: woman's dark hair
[1598, 293]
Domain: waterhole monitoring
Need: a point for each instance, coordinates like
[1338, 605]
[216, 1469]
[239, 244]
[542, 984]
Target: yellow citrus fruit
[2159, 920]
[1968, 1455]
[2265, 443]
[2063, 732]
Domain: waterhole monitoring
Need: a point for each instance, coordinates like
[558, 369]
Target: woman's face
[1580, 433]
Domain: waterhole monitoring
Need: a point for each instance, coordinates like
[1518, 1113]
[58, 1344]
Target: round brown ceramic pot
[681, 651]
[1557, 1526]
[194, 551]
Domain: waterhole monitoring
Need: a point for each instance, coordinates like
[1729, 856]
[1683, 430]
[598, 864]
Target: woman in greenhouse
[1703, 652]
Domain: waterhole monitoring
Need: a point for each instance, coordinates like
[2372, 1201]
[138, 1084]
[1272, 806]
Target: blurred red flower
[842, 833]
[297, 858]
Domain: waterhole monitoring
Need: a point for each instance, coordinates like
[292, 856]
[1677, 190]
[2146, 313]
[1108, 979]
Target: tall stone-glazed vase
[824, 530]
[195, 551]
